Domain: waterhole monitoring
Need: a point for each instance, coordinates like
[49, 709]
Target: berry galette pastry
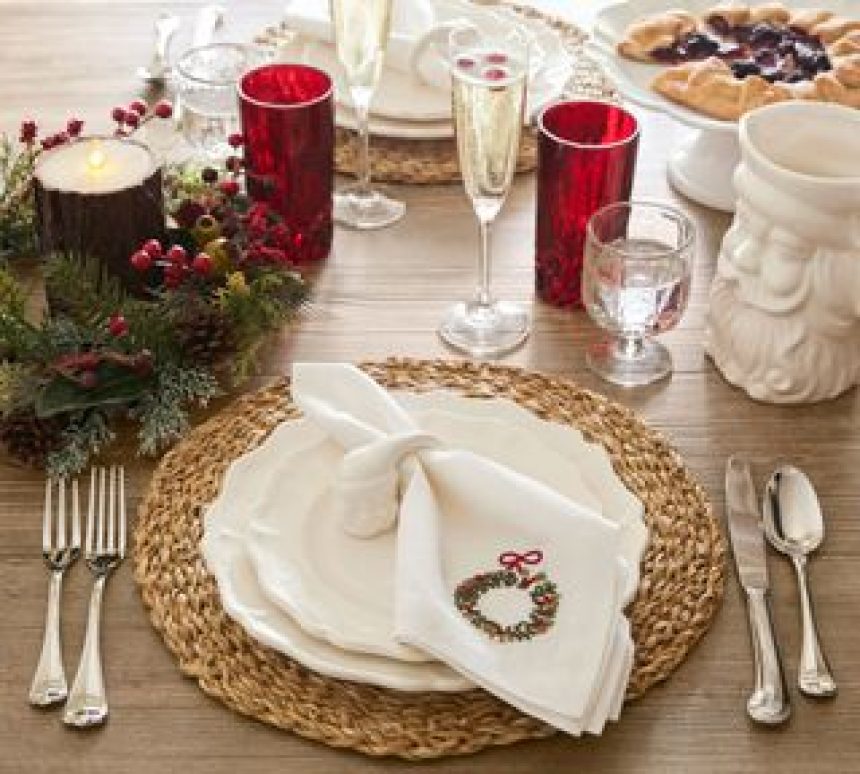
[738, 57]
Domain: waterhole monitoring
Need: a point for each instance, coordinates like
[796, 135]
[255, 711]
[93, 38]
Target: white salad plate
[339, 588]
[404, 105]
[703, 166]
[224, 552]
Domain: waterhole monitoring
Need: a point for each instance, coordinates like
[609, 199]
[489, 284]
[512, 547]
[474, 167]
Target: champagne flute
[489, 77]
[361, 29]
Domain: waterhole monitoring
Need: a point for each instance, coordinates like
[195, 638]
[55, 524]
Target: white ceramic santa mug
[784, 316]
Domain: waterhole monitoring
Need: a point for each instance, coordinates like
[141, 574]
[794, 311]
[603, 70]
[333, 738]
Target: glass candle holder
[586, 160]
[287, 113]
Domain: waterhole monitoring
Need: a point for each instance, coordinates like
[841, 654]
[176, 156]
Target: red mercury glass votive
[586, 159]
[287, 113]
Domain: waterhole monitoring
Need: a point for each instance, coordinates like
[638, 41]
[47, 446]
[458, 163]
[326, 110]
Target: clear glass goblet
[636, 282]
[489, 72]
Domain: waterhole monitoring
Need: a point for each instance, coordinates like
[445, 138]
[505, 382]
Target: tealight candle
[101, 197]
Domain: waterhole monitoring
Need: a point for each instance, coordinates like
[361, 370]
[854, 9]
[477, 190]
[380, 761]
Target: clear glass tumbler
[635, 285]
[207, 77]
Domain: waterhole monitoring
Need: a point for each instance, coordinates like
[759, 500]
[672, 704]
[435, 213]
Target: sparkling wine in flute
[361, 29]
[489, 94]
[489, 97]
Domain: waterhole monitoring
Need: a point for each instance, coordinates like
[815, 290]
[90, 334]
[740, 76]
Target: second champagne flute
[361, 29]
[489, 74]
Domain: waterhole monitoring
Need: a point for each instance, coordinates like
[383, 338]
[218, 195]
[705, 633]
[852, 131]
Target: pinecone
[29, 438]
[204, 333]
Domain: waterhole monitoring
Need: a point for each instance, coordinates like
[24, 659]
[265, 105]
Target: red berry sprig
[176, 264]
[29, 133]
[117, 326]
[129, 119]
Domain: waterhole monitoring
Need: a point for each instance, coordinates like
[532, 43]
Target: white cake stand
[703, 166]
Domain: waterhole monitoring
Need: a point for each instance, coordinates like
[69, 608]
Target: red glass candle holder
[586, 160]
[287, 113]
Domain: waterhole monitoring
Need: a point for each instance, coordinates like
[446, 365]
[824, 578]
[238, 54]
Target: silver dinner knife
[769, 700]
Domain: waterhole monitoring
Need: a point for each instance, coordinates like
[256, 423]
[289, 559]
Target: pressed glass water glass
[586, 160]
[207, 78]
[635, 285]
[288, 125]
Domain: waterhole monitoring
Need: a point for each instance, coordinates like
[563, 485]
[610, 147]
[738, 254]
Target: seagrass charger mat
[425, 161]
[680, 590]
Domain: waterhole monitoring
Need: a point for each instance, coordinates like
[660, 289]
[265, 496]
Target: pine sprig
[83, 289]
[17, 210]
[18, 383]
[162, 413]
[84, 436]
[257, 307]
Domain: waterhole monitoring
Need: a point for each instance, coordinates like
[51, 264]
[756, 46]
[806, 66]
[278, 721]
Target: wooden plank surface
[383, 294]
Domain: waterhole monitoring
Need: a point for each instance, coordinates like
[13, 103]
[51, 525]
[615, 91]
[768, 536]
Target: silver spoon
[795, 527]
[155, 72]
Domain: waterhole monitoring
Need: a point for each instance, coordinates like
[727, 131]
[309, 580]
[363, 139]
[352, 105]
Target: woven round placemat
[397, 160]
[680, 590]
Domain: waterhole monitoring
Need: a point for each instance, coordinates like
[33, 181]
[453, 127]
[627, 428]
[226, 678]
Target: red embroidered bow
[511, 560]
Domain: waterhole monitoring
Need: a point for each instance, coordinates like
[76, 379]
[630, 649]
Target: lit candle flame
[96, 158]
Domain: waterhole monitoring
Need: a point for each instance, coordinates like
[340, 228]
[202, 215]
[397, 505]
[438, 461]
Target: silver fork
[59, 551]
[105, 548]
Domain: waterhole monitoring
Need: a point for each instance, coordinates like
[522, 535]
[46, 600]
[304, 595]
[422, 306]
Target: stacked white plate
[296, 581]
[408, 107]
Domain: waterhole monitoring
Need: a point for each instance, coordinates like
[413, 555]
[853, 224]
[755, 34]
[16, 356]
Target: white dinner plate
[225, 555]
[402, 99]
[340, 588]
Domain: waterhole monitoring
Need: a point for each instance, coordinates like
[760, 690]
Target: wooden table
[382, 294]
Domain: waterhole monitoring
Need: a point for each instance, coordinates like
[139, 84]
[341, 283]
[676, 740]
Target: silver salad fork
[59, 550]
[105, 549]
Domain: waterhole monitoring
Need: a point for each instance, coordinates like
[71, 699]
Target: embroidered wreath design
[515, 573]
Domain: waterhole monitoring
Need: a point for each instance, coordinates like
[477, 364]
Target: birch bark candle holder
[99, 197]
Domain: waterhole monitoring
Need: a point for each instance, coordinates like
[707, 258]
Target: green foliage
[257, 307]
[18, 384]
[161, 412]
[115, 386]
[17, 209]
[12, 298]
[82, 290]
[88, 295]
[86, 433]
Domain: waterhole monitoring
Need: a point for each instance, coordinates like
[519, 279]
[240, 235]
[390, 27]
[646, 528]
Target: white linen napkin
[407, 51]
[462, 519]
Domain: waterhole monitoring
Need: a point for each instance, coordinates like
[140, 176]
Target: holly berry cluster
[219, 229]
[176, 263]
[29, 134]
[130, 119]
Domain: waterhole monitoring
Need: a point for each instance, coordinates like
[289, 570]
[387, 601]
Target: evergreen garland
[224, 279]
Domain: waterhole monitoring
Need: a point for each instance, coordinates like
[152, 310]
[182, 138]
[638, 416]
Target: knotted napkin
[497, 575]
